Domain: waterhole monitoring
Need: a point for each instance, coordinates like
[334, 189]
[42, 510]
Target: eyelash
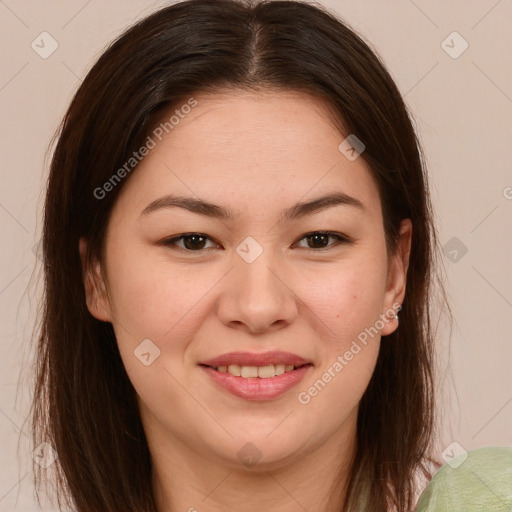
[342, 239]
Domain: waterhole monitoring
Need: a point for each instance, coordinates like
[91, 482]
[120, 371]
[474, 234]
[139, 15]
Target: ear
[95, 290]
[397, 278]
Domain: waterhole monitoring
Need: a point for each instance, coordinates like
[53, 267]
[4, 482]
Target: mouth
[275, 358]
[261, 372]
[256, 377]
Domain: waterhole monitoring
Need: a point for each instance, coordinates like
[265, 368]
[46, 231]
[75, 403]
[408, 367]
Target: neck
[185, 480]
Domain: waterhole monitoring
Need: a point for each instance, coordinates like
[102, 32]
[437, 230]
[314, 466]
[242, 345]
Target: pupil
[197, 242]
[316, 238]
[195, 239]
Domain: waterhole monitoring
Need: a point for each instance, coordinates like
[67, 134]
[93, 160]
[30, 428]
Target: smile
[257, 383]
[262, 372]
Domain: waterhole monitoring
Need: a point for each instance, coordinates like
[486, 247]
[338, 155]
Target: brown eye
[194, 242]
[320, 239]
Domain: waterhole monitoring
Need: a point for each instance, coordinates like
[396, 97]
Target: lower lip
[254, 388]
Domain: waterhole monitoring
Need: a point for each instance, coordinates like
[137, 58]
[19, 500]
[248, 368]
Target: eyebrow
[296, 211]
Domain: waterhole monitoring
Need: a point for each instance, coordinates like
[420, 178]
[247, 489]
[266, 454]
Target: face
[256, 274]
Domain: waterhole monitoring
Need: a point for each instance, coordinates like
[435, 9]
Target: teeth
[263, 372]
[280, 369]
[249, 371]
[233, 369]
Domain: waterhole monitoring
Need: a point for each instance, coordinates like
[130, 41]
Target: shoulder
[478, 480]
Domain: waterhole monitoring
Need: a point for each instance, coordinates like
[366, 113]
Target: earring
[396, 314]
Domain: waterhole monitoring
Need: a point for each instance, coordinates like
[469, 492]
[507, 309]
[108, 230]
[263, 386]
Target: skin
[255, 153]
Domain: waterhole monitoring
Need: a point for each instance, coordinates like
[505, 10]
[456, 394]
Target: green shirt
[476, 481]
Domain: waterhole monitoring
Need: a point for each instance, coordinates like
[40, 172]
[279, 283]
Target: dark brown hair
[84, 403]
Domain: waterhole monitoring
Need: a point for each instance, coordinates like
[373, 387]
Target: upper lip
[256, 359]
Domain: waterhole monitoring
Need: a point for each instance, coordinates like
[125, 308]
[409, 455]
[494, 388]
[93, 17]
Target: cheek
[153, 302]
[347, 298]
[349, 304]
[154, 298]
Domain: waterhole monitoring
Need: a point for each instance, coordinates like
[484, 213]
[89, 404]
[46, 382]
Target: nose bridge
[257, 295]
[257, 273]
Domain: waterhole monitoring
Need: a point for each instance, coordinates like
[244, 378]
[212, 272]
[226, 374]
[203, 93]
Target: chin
[259, 452]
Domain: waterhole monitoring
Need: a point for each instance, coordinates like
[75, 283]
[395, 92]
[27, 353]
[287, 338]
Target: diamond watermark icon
[454, 249]
[249, 249]
[44, 455]
[249, 454]
[351, 147]
[454, 45]
[44, 45]
[147, 352]
[454, 455]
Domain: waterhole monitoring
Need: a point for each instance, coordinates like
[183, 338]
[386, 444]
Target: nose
[257, 297]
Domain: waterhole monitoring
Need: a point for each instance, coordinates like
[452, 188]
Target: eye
[196, 242]
[319, 239]
[193, 242]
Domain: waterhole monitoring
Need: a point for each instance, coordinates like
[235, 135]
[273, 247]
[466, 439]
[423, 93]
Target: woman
[239, 256]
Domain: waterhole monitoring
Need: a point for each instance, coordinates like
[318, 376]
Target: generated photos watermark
[158, 133]
[304, 397]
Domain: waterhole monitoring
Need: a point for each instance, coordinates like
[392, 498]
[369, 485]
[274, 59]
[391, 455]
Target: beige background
[463, 112]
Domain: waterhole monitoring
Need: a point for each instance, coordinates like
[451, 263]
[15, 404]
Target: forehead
[269, 124]
[251, 148]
